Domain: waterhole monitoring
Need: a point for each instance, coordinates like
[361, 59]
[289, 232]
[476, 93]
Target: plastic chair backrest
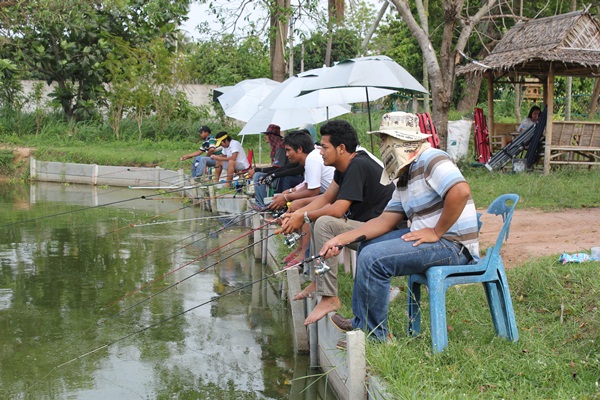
[505, 206]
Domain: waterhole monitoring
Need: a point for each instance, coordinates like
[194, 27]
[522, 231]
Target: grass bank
[557, 355]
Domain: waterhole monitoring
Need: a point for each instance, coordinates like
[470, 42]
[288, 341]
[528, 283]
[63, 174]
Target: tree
[456, 18]
[345, 44]
[68, 41]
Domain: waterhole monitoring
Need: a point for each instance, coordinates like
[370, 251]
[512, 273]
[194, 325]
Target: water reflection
[61, 275]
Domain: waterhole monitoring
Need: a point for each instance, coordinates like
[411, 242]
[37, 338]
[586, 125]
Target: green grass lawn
[557, 355]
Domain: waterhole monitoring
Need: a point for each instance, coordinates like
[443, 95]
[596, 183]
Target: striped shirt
[430, 178]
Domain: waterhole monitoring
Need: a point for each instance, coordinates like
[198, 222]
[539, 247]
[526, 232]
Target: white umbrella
[376, 72]
[291, 118]
[242, 100]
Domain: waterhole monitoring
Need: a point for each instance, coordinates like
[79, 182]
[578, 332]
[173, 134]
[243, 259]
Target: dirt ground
[535, 233]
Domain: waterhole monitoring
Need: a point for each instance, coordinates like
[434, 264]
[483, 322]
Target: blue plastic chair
[489, 271]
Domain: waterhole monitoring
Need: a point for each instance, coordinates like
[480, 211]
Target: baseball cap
[204, 128]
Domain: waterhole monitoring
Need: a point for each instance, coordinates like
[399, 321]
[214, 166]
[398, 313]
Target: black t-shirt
[360, 185]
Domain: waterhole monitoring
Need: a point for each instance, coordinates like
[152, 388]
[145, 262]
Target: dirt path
[535, 233]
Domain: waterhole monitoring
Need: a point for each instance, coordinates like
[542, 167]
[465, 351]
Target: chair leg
[497, 309]
[437, 311]
[511, 322]
[414, 309]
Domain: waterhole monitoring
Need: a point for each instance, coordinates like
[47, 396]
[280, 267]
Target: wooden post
[550, 117]
[490, 118]
[357, 365]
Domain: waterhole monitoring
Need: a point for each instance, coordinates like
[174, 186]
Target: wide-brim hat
[401, 143]
[401, 125]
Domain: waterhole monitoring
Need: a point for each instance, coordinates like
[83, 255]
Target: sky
[200, 13]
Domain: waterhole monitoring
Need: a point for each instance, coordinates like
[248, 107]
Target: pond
[116, 293]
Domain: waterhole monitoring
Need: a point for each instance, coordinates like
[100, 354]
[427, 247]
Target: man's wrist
[306, 218]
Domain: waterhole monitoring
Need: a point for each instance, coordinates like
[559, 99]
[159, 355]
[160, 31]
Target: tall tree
[68, 41]
[457, 26]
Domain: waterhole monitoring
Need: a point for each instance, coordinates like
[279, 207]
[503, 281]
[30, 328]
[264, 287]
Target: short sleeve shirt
[360, 185]
[430, 177]
[316, 173]
[236, 147]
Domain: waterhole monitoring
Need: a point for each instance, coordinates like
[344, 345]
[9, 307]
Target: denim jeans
[381, 258]
[281, 184]
[199, 165]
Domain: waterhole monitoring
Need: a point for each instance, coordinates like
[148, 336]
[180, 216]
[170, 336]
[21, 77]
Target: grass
[556, 356]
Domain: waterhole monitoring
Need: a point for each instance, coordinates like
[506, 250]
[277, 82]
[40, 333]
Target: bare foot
[307, 292]
[325, 306]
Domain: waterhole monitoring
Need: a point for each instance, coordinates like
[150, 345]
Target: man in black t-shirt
[354, 197]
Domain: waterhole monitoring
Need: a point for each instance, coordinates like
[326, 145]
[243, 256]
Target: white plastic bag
[459, 133]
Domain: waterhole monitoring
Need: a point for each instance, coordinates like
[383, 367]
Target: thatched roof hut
[570, 42]
[566, 44]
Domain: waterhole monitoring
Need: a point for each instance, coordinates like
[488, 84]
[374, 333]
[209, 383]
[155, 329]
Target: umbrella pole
[369, 114]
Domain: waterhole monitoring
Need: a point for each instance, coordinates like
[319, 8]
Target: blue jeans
[260, 190]
[280, 185]
[378, 260]
[199, 165]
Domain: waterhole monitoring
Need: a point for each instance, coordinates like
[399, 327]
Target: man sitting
[299, 148]
[233, 158]
[433, 195]
[287, 177]
[354, 197]
[202, 155]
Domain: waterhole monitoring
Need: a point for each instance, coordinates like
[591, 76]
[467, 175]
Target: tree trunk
[468, 102]
[442, 72]
[594, 101]
[278, 35]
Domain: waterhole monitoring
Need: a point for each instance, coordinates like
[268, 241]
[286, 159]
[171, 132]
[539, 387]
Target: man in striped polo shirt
[433, 197]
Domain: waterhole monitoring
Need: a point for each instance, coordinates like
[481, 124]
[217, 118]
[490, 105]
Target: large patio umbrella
[291, 118]
[242, 100]
[369, 73]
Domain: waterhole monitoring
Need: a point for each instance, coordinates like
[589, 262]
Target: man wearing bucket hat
[431, 194]
[354, 196]
[233, 158]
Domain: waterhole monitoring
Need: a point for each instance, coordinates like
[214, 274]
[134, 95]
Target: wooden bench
[501, 131]
[575, 142]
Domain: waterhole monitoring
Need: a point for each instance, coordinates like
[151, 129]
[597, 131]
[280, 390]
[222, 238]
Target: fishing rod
[183, 266]
[213, 299]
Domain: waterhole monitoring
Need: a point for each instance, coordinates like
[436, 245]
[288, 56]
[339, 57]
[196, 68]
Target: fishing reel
[292, 239]
[278, 213]
[320, 267]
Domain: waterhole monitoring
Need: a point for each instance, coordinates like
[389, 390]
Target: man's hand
[291, 222]
[278, 202]
[331, 248]
[425, 235]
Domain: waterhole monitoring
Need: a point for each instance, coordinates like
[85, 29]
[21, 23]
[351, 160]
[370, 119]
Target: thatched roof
[570, 42]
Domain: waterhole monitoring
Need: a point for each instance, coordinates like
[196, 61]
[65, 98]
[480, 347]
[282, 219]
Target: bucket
[519, 164]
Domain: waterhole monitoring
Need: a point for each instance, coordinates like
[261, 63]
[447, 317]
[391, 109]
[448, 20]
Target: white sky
[200, 14]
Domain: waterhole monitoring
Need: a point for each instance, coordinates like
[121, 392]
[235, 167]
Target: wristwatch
[306, 219]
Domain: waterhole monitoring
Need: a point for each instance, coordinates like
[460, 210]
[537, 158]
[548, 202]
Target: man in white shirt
[299, 148]
[233, 158]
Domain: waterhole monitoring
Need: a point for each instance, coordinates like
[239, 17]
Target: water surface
[100, 302]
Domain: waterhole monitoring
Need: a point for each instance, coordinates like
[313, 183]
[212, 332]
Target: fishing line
[182, 266]
[131, 225]
[144, 197]
[213, 299]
